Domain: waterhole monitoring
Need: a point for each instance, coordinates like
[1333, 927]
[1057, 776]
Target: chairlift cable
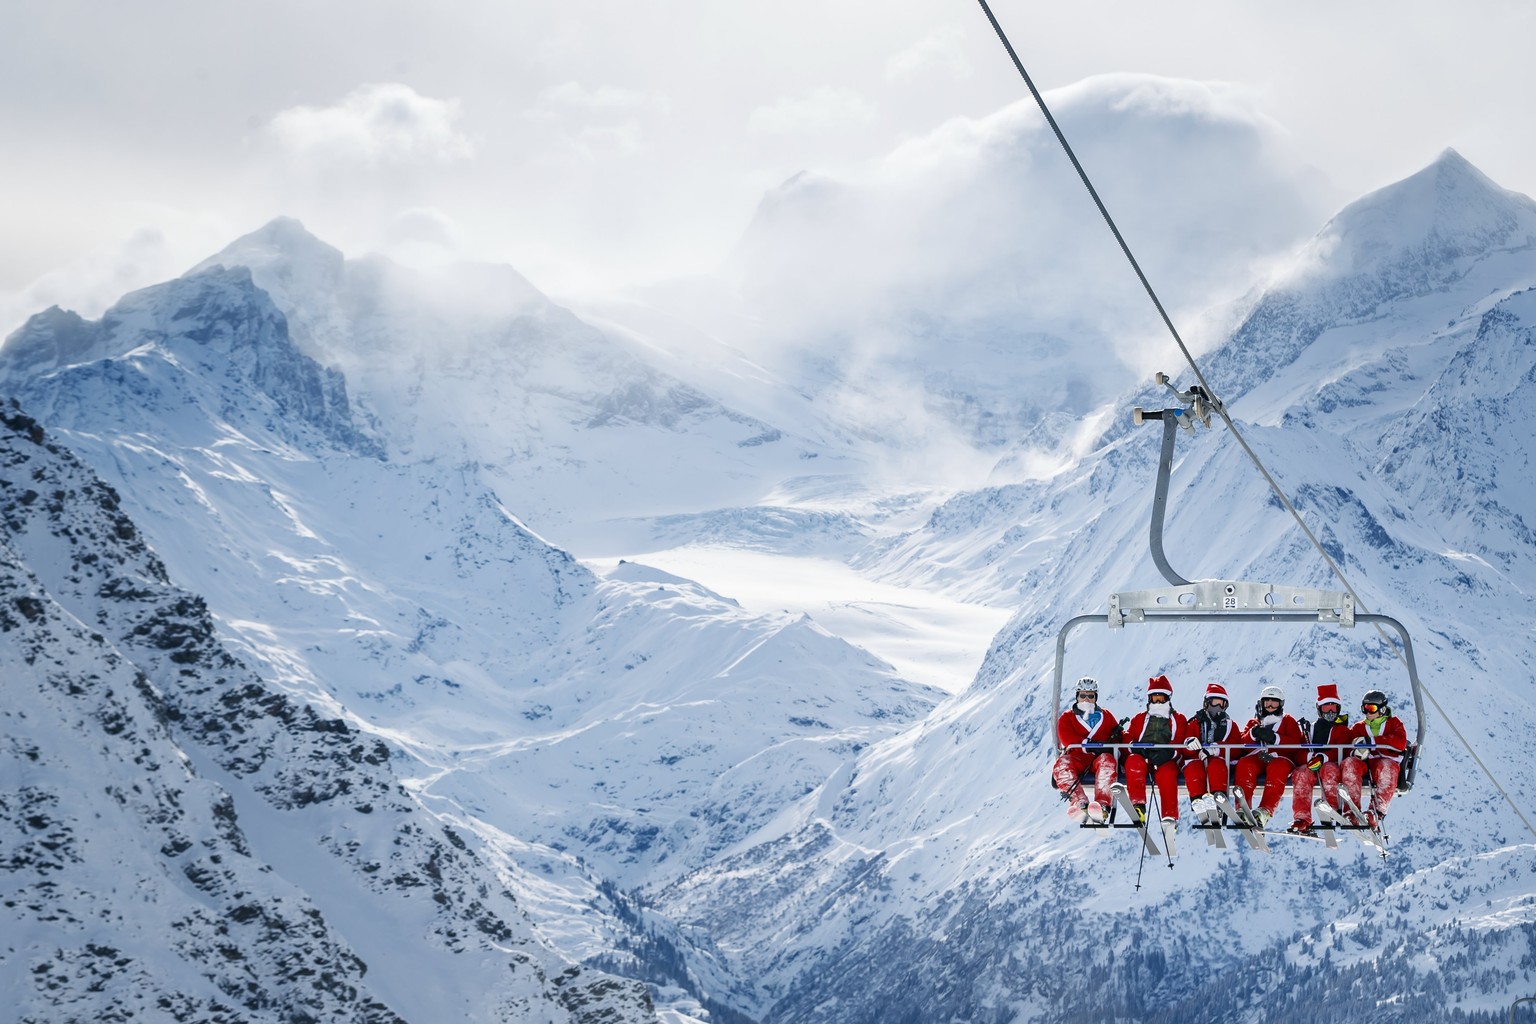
[1220, 406]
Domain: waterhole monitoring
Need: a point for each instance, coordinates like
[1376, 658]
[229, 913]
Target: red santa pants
[1383, 779]
[1166, 778]
[1276, 772]
[1073, 763]
[1205, 775]
[1304, 781]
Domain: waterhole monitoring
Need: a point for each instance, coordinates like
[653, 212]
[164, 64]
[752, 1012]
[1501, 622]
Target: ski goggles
[1087, 693]
[1330, 708]
[1216, 702]
[1370, 708]
[1158, 698]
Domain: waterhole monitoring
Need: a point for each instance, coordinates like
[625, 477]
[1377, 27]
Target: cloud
[824, 110]
[938, 54]
[91, 283]
[374, 125]
[981, 228]
[598, 141]
[598, 123]
[422, 225]
[573, 96]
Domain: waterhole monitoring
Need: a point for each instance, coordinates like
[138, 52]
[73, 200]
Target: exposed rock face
[166, 811]
[210, 339]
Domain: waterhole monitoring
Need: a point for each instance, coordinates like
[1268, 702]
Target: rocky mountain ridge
[194, 753]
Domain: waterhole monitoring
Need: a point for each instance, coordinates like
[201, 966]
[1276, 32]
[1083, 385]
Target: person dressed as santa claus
[1081, 731]
[1209, 738]
[1379, 741]
[1162, 729]
[1325, 736]
[1278, 742]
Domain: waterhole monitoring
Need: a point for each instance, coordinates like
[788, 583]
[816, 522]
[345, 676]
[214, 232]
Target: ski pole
[1157, 808]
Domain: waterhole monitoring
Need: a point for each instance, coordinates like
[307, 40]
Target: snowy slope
[470, 362]
[942, 858]
[603, 731]
[259, 858]
[746, 811]
[130, 886]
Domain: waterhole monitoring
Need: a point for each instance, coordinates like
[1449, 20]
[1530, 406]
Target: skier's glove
[1316, 762]
[1362, 748]
[1264, 734]
[1192, 745]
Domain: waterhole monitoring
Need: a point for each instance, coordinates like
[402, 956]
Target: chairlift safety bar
[1233, 601]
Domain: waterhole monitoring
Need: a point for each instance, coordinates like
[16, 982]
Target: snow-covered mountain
[962, 289]
[472, 363]
[756, 818]
[186, 843]
[398, 592]
[1393, 429]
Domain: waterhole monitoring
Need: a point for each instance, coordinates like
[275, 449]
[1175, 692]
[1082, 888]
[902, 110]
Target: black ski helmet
[1379, 698]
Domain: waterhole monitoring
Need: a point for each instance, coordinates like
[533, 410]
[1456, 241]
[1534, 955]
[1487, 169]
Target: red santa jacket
[1390, 739]
[1211, 733]
[1335, 734]
[1072, 730]
[1177, 725]
[1289, 742]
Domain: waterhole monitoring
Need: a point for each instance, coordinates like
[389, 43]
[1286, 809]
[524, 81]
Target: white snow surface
[775, 716]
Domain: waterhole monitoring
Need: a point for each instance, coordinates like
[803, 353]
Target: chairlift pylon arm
[1171, 419]
[1194, 404]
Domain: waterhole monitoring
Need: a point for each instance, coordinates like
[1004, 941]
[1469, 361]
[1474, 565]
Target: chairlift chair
[1222, 601]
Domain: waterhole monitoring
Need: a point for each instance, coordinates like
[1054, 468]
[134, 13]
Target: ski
[1213, 836]
[1169, 827]
[1210, 827]
[1323, 821]
[1236, 808]
[1320, 834]
[1209, 824]
[1200, 821]
[1336, 822]
[1368, 834]
[1123, 799]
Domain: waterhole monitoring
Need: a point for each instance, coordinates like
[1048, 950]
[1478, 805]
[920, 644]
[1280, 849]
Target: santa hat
[1215, 690]
[1328, 693]
[1159, 684]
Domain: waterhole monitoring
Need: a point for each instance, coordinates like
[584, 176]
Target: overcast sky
[597, 142]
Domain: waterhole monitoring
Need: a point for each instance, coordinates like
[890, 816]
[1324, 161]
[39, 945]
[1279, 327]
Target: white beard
[1086, 706]
[1273, 721]
[1160, 710]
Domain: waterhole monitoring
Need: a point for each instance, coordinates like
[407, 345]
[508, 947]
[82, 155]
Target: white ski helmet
[1269, 693]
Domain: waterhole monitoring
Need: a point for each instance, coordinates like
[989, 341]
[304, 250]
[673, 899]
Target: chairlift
[1220, 602]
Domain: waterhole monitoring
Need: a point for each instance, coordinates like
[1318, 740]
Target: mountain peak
[1449, 207]
[51, 338]
[279, 237]
[281, 254]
